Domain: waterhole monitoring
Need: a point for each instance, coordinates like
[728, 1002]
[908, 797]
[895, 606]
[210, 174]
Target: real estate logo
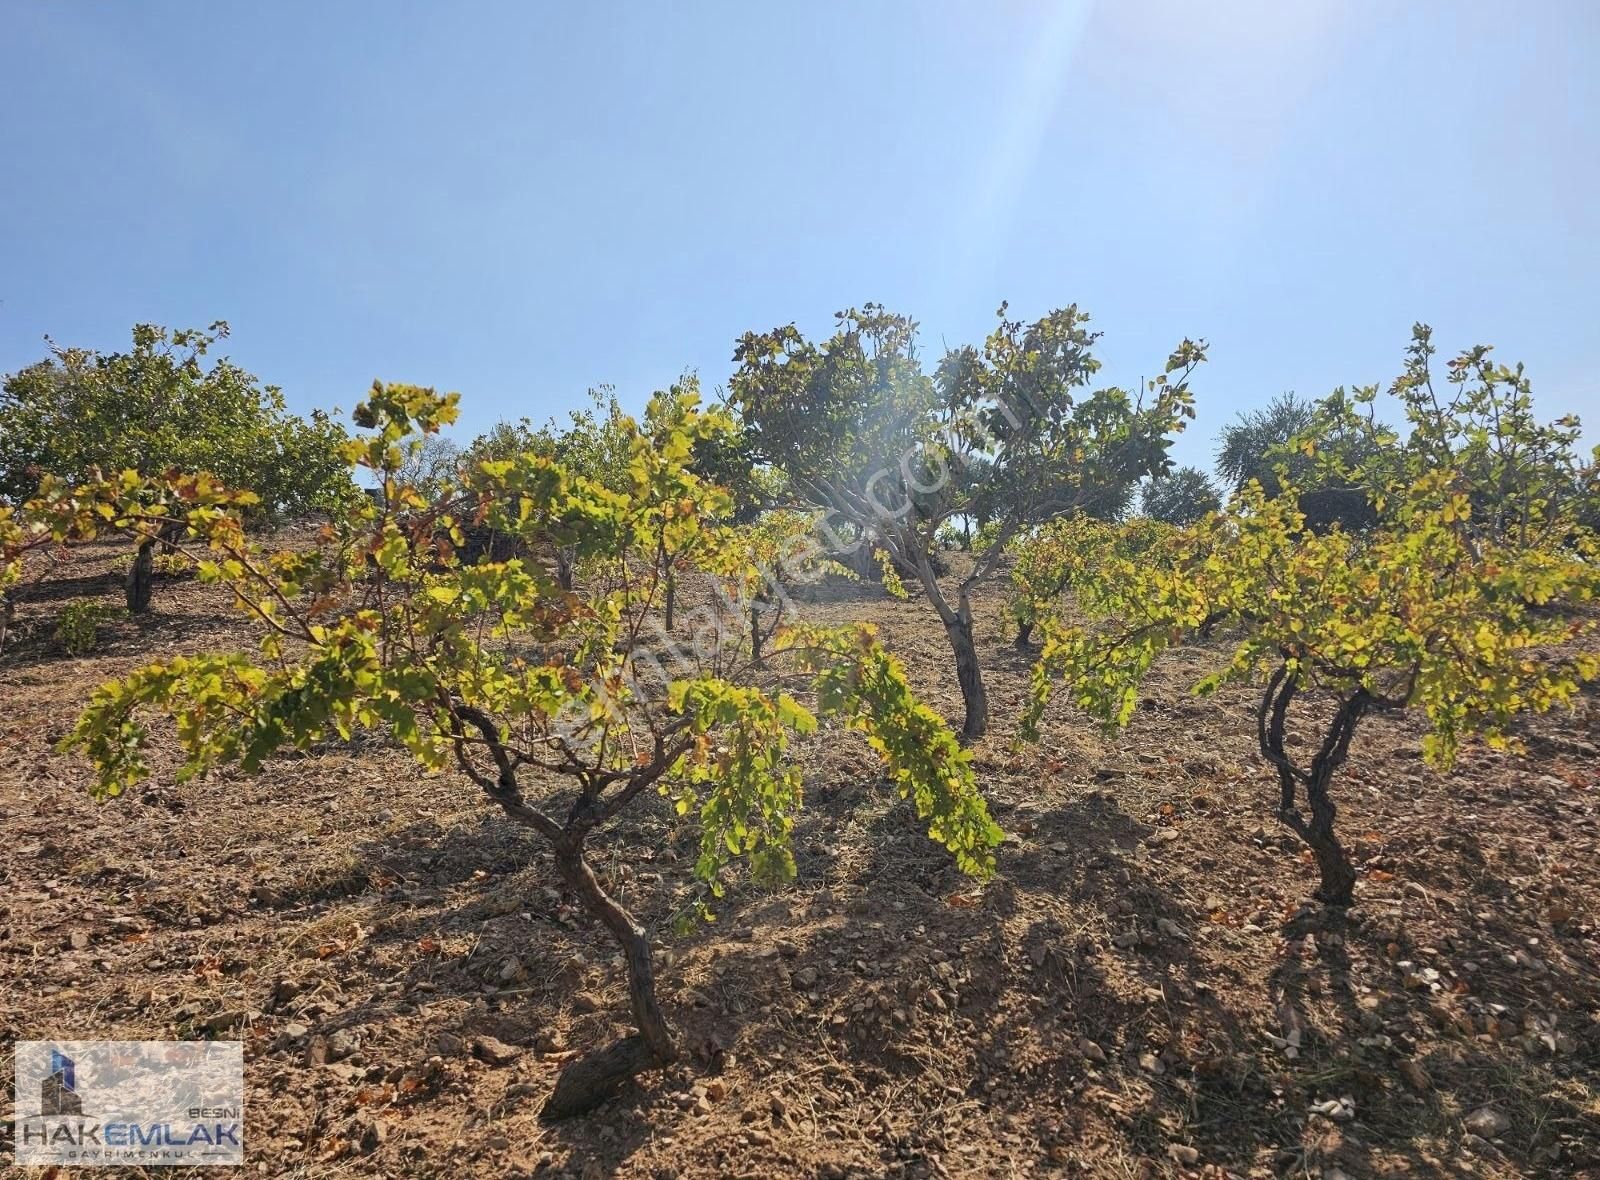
[58, 1093]
[129, 1103]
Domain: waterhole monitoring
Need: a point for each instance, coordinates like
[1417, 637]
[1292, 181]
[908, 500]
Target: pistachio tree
[161, 406]
[563, 710]
[1003, 433]
[1051, 559]
[1467, 601]
[759, 564]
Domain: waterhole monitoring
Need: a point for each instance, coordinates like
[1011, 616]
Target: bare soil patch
[1144, 990]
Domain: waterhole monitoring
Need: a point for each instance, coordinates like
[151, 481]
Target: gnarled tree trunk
[1337, 873]
[592, 1079]
[958, 629]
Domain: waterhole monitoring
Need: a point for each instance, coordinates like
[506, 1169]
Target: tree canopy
[1180, 497]
[159, 407]
[1002, 433]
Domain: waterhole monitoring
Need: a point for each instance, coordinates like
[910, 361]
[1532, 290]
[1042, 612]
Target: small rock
[1340, 1110]
[806, 977]
[78, 940]
[1183, 1154]
[586, 1002]
[373, 1137]
[342, 1043]
[1161, 836]
[549, 1041]
[1091, 1050]
[1487, 1123]
[494, 1052]
[224, 1020]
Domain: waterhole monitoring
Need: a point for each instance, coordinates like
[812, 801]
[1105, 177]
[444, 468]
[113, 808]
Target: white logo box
[129, 1103]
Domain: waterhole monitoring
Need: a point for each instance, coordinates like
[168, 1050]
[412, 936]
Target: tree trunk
[1338, 883]
[563, 568]
[755, 632]
[591, 1080]
[1024, 633]
[672, 598]
[970, 676]
[1333, 862]
[141, 575]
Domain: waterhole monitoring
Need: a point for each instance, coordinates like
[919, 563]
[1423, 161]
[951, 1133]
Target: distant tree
[1003, 432]
[1251, 446]
[1180, 497]
[1263, 446]
[1054, 557]
[432, 466]
[158, 408]
[506, 440]
[593, 442]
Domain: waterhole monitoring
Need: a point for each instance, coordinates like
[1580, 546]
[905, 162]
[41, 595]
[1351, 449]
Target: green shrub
[78, 629]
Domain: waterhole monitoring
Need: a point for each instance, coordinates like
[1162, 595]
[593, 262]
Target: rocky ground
[1144, 990]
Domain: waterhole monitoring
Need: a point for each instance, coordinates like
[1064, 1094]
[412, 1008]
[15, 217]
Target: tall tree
[1002, 432]
[1263, 446]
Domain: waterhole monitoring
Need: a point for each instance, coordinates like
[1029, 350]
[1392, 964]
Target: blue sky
[519, 201]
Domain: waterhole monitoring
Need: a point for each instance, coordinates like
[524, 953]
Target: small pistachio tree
[557, 706]
[22, 538]
[758, 563]
[1004, 433]
[1468, 618]
[1051, 559]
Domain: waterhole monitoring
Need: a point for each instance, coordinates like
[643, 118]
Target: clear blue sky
[521, 200]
